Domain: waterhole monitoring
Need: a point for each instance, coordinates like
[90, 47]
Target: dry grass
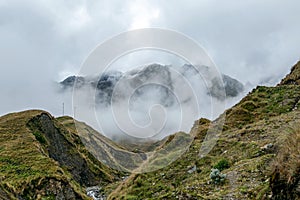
[286, 167]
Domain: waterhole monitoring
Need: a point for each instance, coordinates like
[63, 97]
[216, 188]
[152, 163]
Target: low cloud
[42, 42]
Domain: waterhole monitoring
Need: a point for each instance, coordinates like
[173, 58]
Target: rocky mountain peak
[154, 73]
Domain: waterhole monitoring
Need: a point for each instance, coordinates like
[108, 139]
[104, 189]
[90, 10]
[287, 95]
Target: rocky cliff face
[60, 149]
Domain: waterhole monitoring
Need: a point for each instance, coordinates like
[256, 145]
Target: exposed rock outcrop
[63, 151]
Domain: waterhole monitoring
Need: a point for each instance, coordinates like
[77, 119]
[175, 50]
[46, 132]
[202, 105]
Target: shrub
[222, 164]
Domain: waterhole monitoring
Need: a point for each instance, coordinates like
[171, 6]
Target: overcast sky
[43, 41]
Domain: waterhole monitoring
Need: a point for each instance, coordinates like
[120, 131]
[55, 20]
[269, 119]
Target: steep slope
[254, 136]
[41, 159]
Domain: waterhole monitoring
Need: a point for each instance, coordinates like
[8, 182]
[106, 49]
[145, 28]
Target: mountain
[161, 75]
[42, 157]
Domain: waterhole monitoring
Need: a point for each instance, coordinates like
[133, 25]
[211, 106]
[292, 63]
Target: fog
[43, 42]
[149, 99]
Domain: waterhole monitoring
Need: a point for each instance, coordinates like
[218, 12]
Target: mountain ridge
[105, 84]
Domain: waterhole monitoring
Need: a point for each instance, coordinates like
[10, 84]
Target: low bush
[222, 164]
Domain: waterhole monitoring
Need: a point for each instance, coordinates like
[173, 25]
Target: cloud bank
[42, 42]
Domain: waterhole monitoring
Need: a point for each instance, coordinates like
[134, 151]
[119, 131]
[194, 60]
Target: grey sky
[44, 41]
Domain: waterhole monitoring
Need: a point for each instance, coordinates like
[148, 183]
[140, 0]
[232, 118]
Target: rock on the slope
[95, 192]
